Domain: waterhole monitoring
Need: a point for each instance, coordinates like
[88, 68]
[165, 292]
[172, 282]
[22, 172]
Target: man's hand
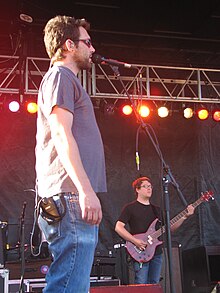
[190, 210]
[140, 244]
[91, 208]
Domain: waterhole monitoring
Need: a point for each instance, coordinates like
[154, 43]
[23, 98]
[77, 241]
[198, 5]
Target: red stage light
[216, 115]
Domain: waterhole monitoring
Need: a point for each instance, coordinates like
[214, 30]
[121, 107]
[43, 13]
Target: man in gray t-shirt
[60, 87]
[70, 165]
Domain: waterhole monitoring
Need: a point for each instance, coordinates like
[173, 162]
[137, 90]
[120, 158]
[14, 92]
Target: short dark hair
[136, 184]
[58, 30]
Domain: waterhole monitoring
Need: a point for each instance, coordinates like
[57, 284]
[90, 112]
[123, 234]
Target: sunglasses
[87, 42]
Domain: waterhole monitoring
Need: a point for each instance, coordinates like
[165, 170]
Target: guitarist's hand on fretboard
[190, 211]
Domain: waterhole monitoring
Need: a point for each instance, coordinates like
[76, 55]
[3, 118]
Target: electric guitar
[151, 236]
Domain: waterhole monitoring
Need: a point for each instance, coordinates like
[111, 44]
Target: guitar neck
[184, 212]
[160, 231]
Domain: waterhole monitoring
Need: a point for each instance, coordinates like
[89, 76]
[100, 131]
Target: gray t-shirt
[62, 88]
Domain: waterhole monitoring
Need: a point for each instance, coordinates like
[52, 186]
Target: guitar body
[152, 243]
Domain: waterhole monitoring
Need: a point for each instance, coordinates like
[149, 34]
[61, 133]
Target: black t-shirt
[139, 217]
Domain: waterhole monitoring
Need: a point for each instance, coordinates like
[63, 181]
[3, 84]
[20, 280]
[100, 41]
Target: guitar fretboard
[160, 231]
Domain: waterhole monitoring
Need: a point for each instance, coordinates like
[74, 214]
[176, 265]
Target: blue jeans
[72, 244]
[148, 272]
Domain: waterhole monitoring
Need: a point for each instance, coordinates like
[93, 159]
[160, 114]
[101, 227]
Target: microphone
[137, 161]
[97, 59]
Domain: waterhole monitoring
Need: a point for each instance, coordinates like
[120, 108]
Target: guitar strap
[157, 213]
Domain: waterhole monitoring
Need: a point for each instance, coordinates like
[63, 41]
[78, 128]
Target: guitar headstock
[207, 195]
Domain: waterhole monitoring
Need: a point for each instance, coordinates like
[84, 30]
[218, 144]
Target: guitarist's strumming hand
[140, 244]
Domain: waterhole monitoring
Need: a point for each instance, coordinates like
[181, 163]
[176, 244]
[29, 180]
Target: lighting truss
[165, 83]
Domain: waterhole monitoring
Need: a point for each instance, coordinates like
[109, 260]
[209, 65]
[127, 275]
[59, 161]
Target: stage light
[127, 110]
[144, 111]
[203, 114]
[188, 113]
[14, 106]
[216, 115]
[32, 107]
[163, 112]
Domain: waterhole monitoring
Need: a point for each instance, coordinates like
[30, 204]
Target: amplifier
[201, 268]
[2, 243]
[104, 281]
[33, 269]
[103, 266]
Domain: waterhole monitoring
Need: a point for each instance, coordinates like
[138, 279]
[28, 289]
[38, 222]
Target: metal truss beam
[148, 82]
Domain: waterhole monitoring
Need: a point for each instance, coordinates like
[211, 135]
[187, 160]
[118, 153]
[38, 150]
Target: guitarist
[139, 214]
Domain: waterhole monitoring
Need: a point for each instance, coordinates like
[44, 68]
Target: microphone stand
[167, 178]
[21, 288]
[166, 181]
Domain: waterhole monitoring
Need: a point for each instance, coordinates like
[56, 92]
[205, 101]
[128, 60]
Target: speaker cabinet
[176, 270]
[122, 265]
[2, 243]
[103, 266]
[2, 261]
[201, 269]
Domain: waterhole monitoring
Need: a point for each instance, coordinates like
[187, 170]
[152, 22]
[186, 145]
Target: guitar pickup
[137, 249]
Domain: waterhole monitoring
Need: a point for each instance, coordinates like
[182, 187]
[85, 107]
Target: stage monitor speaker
[201, 269]
[176, 270]
[149, 288]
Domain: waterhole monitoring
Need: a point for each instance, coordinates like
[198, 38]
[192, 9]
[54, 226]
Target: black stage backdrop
[191, 148]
